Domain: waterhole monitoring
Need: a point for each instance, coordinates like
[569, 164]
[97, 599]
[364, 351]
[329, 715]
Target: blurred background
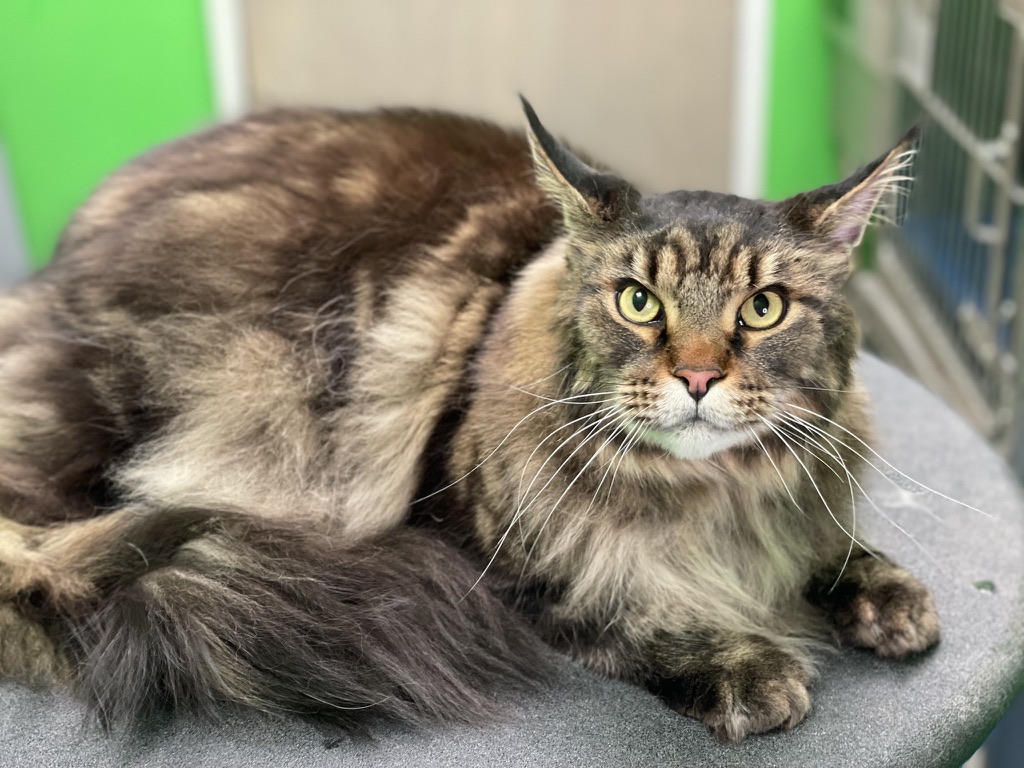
[763, 98]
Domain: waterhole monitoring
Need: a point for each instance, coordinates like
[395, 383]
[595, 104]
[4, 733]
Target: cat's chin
[697, 440]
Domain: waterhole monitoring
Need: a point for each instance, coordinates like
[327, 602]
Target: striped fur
[304, 403]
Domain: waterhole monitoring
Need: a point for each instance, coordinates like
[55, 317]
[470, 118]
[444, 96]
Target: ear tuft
[588, 198]
[841, 212]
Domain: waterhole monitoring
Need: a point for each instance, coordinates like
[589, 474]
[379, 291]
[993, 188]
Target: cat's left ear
[841, 212]
[590, 200]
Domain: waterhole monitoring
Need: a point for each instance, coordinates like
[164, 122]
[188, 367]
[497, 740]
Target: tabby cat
[305, 403]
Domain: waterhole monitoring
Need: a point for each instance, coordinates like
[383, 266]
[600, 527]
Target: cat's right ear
[589, 199]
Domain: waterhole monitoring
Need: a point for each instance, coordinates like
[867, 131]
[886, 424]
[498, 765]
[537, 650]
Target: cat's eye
[638, 305]
[762, 311]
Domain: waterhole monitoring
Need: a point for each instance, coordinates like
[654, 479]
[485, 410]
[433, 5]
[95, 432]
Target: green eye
[762, 310]
[638, 305]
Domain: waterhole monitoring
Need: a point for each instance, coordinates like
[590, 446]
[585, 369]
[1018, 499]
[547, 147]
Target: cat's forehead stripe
[770, 266]
[654, 247]
[722, 251]
[684, 252]
[753, 267]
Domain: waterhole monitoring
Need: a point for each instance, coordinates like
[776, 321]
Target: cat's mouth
[695, 420]
[699, 419]
[694, 436]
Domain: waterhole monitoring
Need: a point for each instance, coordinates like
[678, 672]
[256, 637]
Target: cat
[340, 415]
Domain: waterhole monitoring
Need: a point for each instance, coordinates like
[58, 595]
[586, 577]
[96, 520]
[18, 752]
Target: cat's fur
[290, 387]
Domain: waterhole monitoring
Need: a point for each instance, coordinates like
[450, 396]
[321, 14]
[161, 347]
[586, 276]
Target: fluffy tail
[200, 608]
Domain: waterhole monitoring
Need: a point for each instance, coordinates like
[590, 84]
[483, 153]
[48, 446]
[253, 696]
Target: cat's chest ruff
[679, 547]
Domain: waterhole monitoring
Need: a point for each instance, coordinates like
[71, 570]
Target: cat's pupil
[639, 299]
[761, 304]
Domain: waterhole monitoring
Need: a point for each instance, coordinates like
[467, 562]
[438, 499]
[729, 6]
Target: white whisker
[537, 536]
[811, 389]
[810, 477]
[832, 441]
[808, 443]
[832, 452]
[520, 494]
[882, 459]
[777, 470]
[570, 398]
[521, 510]
[496, 448]
[627, 446]
[620, 429]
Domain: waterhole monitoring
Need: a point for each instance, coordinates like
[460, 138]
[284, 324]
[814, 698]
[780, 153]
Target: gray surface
[867, 712]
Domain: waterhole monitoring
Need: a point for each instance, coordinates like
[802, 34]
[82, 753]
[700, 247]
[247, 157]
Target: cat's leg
[27, 653]
[61, 562]
[737, 683]
[47, 567]
[873, 603]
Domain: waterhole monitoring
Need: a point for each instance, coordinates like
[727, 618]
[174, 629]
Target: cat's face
[703, 316]
[705, 324]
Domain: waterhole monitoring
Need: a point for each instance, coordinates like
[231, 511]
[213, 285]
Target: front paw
[750, 686]
[880, 606]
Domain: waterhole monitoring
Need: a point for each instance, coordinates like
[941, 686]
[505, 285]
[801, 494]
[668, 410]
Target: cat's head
[709, 314]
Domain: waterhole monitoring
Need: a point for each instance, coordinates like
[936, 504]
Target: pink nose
[698, 382]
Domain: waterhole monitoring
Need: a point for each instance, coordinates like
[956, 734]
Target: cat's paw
[892, 613]
[27, 654]
[749, 688]
[876, 604]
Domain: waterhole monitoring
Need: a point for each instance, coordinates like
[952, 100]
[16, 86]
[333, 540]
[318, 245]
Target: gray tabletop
[867, 712]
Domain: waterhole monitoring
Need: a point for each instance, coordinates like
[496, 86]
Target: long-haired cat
[334, 414]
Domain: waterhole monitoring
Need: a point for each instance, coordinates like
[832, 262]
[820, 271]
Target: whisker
[549, 376]
[595, 428]
[521, 510]
[832, 440]
[536, 538]
[885, 516]
[631, 439]
[519, 492]
[496, 448]
[568, 399]
[811, 389]
[620, 429]
[777, 470]
[871, 501]
[626, 447]
[883, 460]
[810, 442]
[810, 477]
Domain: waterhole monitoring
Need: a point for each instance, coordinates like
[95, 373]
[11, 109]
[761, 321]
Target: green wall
[86, 85]
[801, 151]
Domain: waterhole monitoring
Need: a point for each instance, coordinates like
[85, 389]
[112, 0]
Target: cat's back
[292, 205]
[283, 299]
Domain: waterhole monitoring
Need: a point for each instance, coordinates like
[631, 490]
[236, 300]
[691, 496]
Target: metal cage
[943, 295]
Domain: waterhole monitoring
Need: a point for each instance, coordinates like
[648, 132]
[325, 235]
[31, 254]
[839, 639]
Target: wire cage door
[946, 295]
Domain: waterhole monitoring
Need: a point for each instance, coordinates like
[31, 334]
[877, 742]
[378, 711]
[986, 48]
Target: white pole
[751, 94]
[226, 44]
